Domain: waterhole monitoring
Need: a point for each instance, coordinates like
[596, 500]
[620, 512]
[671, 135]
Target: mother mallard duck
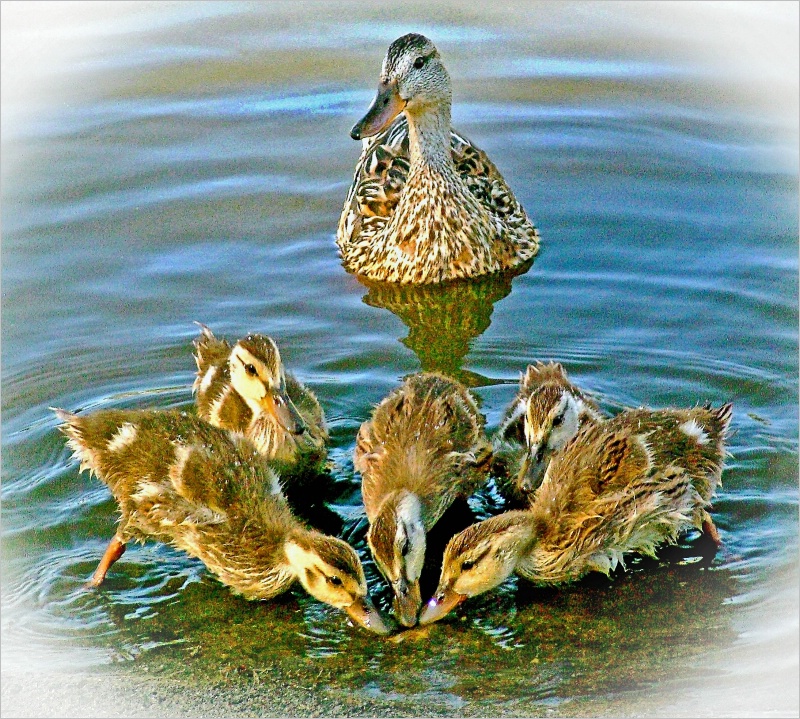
[426, 205]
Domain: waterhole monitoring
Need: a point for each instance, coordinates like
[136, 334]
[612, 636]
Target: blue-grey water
[171, 162]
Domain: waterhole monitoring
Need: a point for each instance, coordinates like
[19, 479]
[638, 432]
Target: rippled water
[177, 162]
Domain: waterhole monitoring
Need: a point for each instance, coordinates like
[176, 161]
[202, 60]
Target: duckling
[547, 412]
[245, 389]
[209, 493]
[426, 205]
[423, 447]
[626, 485]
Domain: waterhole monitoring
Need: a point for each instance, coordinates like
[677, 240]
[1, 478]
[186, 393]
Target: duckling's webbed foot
[114, 550]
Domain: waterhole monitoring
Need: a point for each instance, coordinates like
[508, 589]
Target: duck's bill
[284, 412]
[440, 605]
[407, 604]
[364, 613]
[386, 106]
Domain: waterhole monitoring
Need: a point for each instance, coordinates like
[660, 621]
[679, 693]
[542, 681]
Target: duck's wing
[487, 184]
[380, 177]
[381, 173]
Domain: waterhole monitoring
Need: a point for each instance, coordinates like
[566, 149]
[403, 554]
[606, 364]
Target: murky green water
[164, 163]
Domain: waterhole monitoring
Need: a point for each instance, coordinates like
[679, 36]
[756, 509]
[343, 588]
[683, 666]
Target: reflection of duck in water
[426, 205]
[443, 319]
[179, 480]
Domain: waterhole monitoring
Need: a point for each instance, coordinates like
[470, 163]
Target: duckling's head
[257, 375]
[329, 570]
[396, 539]
[551, 420]
[478, 559]
[413, 78]
[551, 408]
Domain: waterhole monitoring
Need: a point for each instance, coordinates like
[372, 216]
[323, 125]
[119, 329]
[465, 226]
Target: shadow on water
[443, 320]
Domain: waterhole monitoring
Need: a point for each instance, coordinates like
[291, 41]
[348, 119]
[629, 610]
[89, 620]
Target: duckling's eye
[335, 581]
[467, 565]
[419, 62]
[558, 420]
[250, 369]
[404, 547]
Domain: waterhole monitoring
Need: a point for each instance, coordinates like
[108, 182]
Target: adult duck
[426, 205]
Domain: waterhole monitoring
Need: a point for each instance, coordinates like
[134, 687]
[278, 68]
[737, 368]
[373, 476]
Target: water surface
[165, 163]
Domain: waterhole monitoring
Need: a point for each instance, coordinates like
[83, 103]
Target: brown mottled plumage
[545, 415]
[181, 481]
[626, 485]
[426, 205]
[423, 447]
[244, 388]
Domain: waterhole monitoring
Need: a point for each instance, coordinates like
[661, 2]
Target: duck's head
[552, 418]
[413, 78]
[257, 375]
[396, 539]
[478, 559]
[329, 570]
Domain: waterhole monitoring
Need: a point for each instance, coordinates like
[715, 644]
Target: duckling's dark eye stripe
[468, 564]
[421, 60]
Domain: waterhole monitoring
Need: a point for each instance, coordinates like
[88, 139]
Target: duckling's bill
[440, 605]
[364, 613]
[386, 106]
[282, 409]
[532, 469]
[407, 601]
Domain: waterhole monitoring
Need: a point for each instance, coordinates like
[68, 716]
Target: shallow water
[177, 162]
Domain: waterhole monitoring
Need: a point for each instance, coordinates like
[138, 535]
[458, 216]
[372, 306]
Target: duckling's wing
[601, 460]
[366, 455]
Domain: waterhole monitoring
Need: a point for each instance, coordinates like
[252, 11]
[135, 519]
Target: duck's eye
[250, 369]
[335, 581]
[419, 62]
[467, 565]
[558, 420]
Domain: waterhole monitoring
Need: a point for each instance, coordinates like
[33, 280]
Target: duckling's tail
[208, 352]
[74, 427]
[90, 436]
[723, 416]
[205, 331]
